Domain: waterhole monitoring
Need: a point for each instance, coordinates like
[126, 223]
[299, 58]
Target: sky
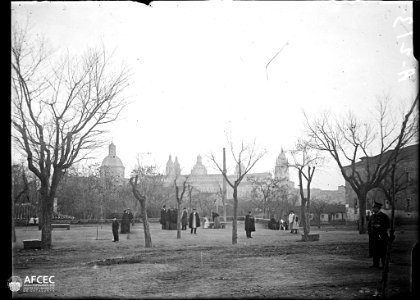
[203, 71]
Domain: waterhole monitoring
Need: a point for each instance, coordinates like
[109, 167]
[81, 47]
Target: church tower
[177, 167]
[281, 171]
[170, 167]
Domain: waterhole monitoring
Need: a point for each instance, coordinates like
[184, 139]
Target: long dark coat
[124, 223]
[249, 223]
[163, 216]
[184, 218]
[197, 220]
[378, 234]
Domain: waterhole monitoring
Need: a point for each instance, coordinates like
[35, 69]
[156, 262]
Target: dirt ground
[273, 264]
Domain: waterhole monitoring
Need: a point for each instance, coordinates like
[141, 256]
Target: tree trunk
[391, 237]
[362, 212]
[46, 216]
[235, 216]
[147, 236]
[178, 220]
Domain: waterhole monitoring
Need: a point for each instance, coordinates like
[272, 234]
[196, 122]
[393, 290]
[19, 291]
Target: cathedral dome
[199, 168]
[112, 160]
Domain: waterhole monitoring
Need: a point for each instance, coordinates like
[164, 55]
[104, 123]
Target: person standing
[295, 226]
[163, 216]
[249, 225]
[123, 221]
[115, 227]
[194, 221]
[378, 235]
[291, 220]
[184, 219]
[130, 218]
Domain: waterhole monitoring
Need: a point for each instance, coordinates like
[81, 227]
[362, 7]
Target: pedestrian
[168, 218]
[206, 223]
[174, 219]
[291, 219]
[115, 227]
[194, 221]
[130, 218]
[282, 227]
[124, 222]
[378, 235]
[163, 217]
[249, 225]
[184, 219]
[295, 226]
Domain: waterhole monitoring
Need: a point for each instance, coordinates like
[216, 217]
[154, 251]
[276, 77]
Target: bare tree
[265, 187]
[318, 207]
[245, 159]
[58, 111]
[306, 159]
[351, 139]
[142, 181]
[178, 203]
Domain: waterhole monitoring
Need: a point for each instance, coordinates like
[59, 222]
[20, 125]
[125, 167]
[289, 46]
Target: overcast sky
[200, 69]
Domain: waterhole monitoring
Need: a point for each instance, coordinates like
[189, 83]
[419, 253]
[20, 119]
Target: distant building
[406, 173]
[212, 183]
[112, 167]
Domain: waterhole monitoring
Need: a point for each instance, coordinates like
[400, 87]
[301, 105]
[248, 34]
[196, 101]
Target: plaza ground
[273, 264]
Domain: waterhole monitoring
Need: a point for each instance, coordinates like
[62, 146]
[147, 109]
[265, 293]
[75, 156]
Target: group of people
[168, 219]
[127, 219]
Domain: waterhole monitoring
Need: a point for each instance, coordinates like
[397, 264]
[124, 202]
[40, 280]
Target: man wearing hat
[378, 234]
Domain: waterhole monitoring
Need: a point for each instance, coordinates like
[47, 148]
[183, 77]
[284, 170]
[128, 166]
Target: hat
[377, 204]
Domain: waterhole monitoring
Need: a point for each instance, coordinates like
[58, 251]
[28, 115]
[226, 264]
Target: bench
[60, 226]
[222, 225]
[31, 244]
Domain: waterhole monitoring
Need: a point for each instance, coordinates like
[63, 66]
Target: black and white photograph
[214, 149]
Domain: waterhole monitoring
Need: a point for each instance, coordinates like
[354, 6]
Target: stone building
[406, 176]
[213, 183]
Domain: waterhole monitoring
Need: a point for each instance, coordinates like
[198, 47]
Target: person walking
[249, 225]
[184, 219]
[291, 219]
[194, 221]
[378, 235]
[115, 227]
[163, 217]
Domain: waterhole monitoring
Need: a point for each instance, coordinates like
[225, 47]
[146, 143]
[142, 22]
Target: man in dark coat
[184, 219]
[249, 225]
[194, 221]
[130, 218]
[163, 216]
[378, 235]
[124, 222]
[174, 218]
[115, 227]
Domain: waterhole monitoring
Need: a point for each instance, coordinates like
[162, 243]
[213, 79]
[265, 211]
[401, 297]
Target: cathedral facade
[213, 183]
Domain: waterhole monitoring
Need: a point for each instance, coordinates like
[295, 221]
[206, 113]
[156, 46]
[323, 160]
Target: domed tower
[177, 167]
[199, 168]
[170, 167]
[112, 166]
[281, 171]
